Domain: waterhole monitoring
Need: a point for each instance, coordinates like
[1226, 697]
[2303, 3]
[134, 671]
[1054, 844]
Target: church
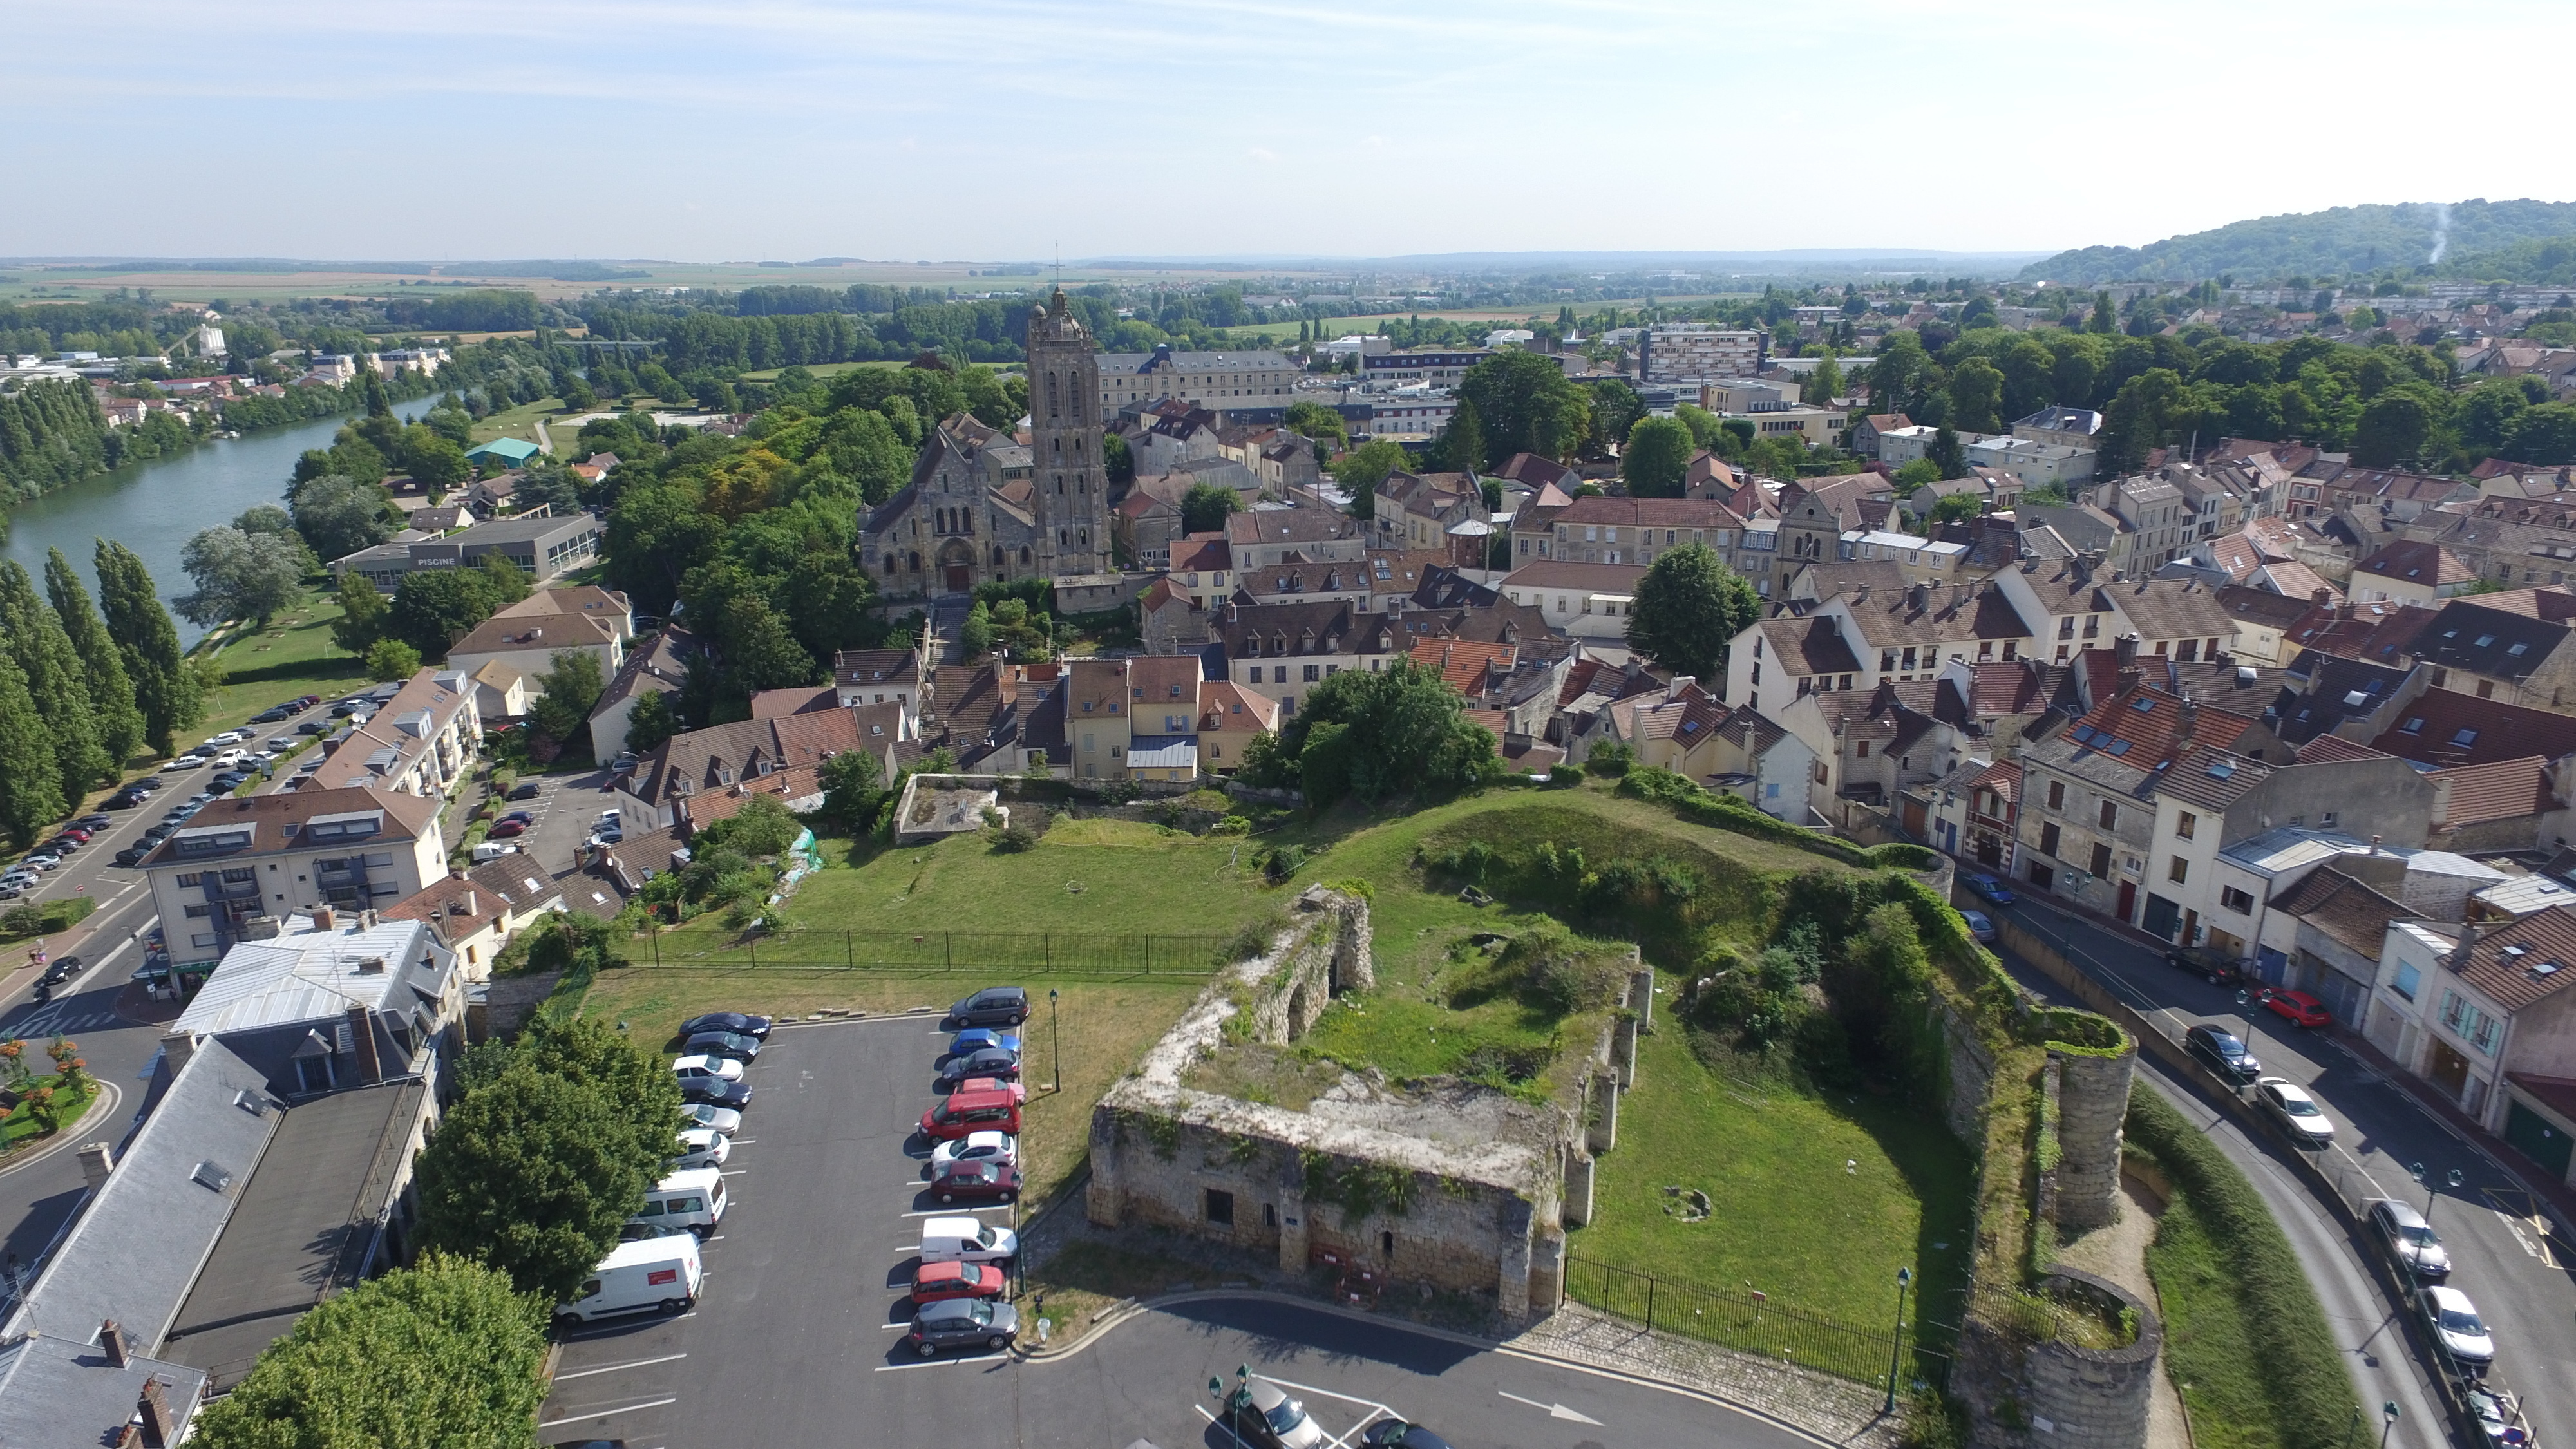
[983, 507]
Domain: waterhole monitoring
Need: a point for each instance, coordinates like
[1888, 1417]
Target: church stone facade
[988, 509]
[982, 507]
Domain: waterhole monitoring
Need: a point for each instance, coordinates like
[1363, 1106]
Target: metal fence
[1753, 1322]
[1051, 953]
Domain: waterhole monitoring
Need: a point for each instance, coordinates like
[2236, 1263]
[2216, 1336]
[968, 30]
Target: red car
[1016, 1091]
[971, 1111]
[975, 1177]
[2299, 1007]
[73, 832]
[508, 828]
[932, 1282]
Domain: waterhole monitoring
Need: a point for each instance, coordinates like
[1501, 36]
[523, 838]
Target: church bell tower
[1071, 488]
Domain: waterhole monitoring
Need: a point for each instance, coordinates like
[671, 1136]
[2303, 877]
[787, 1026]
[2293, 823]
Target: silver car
[2457, 1327]
[2290, 1105]
[2410, 1238]
[1261, 1412]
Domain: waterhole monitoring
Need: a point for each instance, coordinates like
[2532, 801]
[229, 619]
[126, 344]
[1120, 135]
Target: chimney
[1918, 598]
[2189, 724]
[176, 1048]
[97, 1159]
[325, 919]
[2458, 960]
[469, 901]
[2374, 844]
[2321, 597]
[111, 1340]
[362, 1033]
[368, 919]
[160, 1426]
[2126, 647]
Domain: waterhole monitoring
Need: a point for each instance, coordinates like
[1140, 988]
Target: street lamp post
[2245, 1008]
[1896, 1347]
[2387, 1421]
[1055, 1032]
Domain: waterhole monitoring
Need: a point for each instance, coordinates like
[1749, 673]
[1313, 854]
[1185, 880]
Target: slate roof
[2172, 609]
[2447, 728]
[2381, 633]
[62, 1390]
[2264, 607]
[1808, 646]
[2479, 640]
[876, 666]
[2338, 690]
[2345, 909]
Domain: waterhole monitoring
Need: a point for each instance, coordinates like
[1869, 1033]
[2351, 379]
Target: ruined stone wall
[2084, 1398]
[2092, 1103]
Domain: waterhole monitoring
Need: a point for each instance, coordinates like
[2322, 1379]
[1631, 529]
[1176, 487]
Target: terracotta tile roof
[1994, 690]
[1463, 665]
[1685, 713]
[2504, 790]
[2514, 979]
[1202, 553]
[2554, 605]
[1228, 708]
[2003, 777]
[2325, 748]
[1160, 682]
[777, 703]
[971, 697]
[2447, 728]
[2140, 727]
[2295, 580]
[1649, 513]
[2262, 606]
[2345, 909]
[2375, 633]
[278, 820]
[460, 905]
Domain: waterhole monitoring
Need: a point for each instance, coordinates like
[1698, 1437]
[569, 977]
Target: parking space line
[615, 1367]
[604, 1413]
[936, 1363]
[950, 1212]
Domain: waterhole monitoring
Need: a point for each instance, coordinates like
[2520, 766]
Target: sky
[1004, 129]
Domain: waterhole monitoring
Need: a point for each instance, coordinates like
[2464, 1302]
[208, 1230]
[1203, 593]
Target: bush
[1556, 973]
[40, 918]
[1565, 776]
[1011, 839]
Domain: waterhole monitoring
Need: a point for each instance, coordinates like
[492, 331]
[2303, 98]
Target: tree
[338, 515]
[656, 534]
[56, 682]
[1462, 442]
[1373, 734]
[2140, 418]
[649, 722]
[1976, 393]
[1824, 384]
[1363, 468]
[168, 693]
[975, 636]
[31, 793]
[549, 485]
[363, 614]
[1657, 460]
[436, 607]
[111, 691]
[1689, 605]
[1957, 508]
[1318, 422]
[577, 396]
[1614, 408]
[1916, 473]
[761, 828]
[1946, 454]
[853, 788]
[391, 659]
[1205, 506]
[443, 1353]
[760, 651]
[572, 686]
[1527, 405]
[2545, 434]
[2393, 429]
[534, 1174]
[239, 576]
[1117, 464]
[2105, 318]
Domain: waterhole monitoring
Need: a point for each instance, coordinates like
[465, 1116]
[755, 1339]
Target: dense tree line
[78, 693]
[478, 310]
[2344, 239]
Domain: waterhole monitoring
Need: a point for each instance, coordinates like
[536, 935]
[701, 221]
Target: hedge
[44, 918]
[2296, 1370]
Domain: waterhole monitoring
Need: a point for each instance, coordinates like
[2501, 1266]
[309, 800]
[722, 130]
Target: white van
[966, 1240]
[661, 1273]
[690, 1201]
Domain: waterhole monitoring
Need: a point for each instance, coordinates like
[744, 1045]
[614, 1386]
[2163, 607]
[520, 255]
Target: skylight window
[2119, 747]
[2465, 738]
[2413, 726]
[2145, 706]
[2518, 649]
[2483, 640]
[2221, 770]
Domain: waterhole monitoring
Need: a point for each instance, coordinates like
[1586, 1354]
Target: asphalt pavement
[795, 1339]
[2502, 1254]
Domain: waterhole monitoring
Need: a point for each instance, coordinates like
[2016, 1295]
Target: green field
[819, 369]
[293, 655]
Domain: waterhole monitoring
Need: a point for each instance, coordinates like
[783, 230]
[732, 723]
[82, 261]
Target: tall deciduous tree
[571, 688]
[1689, 605]
[111, 690]
[363, 615]
[57, 683]
[338, 515]
[239, 576]
[650, 722]
[2393, 429]
[169, 694]
[444, 1353]
[1205, 506]
[1375, 734]
[1657, 459]
[31, 794]
[1462, 444]
[1527, 405]
[1363, 468]
[534, 1174]
[1318, 422]
[1976, 395]
[1945, 453]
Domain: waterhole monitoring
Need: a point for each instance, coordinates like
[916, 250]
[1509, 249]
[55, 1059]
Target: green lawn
[521, 422]
[819, 369]
[1816, 1201]
[18, 1129]
[293, 655]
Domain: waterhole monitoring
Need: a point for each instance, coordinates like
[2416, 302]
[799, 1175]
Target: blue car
[1988, 888]
[976, 1039]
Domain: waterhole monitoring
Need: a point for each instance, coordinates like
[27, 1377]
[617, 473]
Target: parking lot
[795, 1336]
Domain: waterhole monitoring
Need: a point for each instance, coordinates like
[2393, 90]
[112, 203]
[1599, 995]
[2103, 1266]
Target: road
[795, 1338]
[2519, 1278]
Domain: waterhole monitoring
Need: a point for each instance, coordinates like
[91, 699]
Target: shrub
[1554, 972]
[1284, 861]
[1611, 759]
[1252, 938]
[1565, 776]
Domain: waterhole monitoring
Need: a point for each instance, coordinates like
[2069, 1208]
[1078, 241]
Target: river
[155, 507]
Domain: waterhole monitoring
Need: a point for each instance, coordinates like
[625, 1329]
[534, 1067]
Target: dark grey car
[963, 1323]
[722, 1044]
[2223, 1053]
[992, 1006]
[999, 1062]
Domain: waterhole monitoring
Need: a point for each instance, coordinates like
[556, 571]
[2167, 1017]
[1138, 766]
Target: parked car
[1017, 1091]
[999, 1147]
[722, 1044]
[42, 860]
[2224, 1054]
[79, 833]
[963, 1323]
[309, 727]
[2206, 961]
[182, 762]
[1261, 1412]
[307, 701]
[971, 1111]
[526, 790]
[123, 800]
[738, 1022]
[722, 1119]
[967, 1240]
[10, 891]
[939, 1282]
[520, 817]
[992, 1006]
[132, 855]
[689, 1200]
[2300, 1007]
[977, 1038]
[2456, 1326]
[1397, 1434]
[689, 1068]
[656, 1273]
[2297, 1111]
[270, 716]
[702, 1147]
[991, 1062]
[1981, 928]
[2410, 1238]
[993, 1180]
[715, 1092]
[1987, 888]
[508, 829]
[93, 822]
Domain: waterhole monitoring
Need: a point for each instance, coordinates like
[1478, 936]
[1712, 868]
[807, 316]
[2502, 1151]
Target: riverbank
[294, 655]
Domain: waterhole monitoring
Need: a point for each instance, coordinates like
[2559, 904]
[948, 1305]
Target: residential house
[1261, 537]
[2486, 1018]
[1612, 530]
[1683, 728]
[1426, 512]
[1202, 569]
[2512, 647]
[2071, 427]
[241, 865]
[1586, 600]
[724, 764]
[477, 913]
[881, 676]
[1866, 433]
[529, 647]
[2325, 936]
[420, 742]
[1230, 718]
[658, 666]
[1148, 520]
[2263, 620]
[2408, 572]
[1282, 651]
[2038, 465]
